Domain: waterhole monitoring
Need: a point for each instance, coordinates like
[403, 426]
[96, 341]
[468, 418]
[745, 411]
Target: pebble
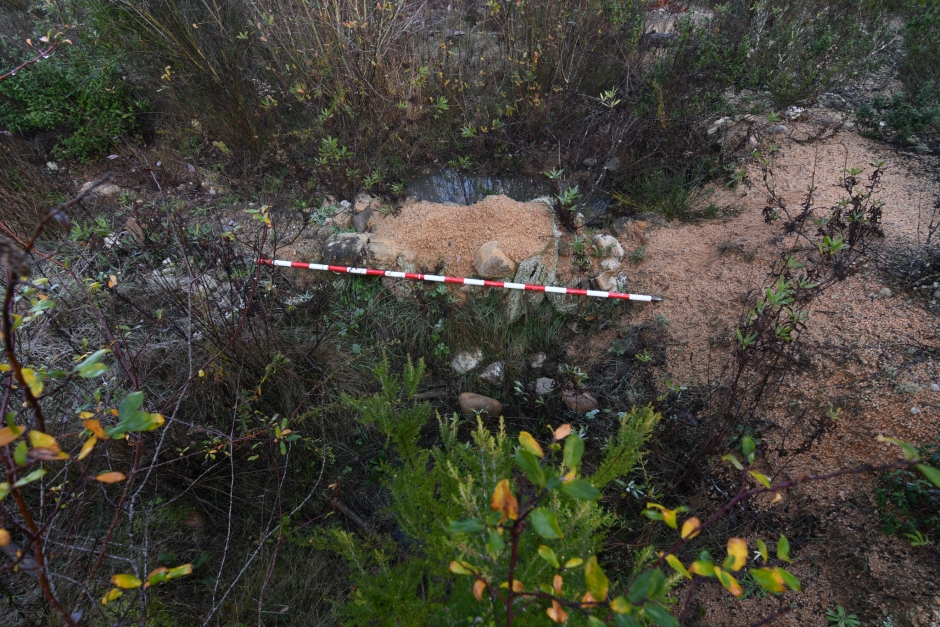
[493, 374]
[465, 361]
[934, 387]
[609, 245]
[537, 360]
[914, 411]
[476, 404]
[779, 129]
[544, 385]
[885, 292]
[581, 402]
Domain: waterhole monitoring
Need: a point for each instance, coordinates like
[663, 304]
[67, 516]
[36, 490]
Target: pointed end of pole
[656, 299]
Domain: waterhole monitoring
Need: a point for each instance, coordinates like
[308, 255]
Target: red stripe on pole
[576, 292]
[450, 279]
[535, 288]
[373, 272]
[494, 284]
[414, 277]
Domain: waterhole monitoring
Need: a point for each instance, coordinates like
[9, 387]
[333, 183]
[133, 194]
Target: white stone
[609, 246]
[493, 374]
[465, 361]
[544, 385]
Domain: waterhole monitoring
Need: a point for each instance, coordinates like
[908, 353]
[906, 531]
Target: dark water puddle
[467, 189]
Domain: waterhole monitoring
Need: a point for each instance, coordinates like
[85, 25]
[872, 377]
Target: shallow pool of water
[467, 189]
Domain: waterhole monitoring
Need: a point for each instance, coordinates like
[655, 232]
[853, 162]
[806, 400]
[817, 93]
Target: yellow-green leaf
[762, 547]
[932, 474]
[768, 579]
[737, 551]
[126, 581]
[37, 474]
[547, 554]
[34, 381]
[690, 528]
[595, 579]
[677, 566]
[460, 568]
[734, 461]
[38, 439]
[112, 594]
[574, 562]
[620, 605]
[529, 444]
[4, 490]
[729, 582]
[86, 447]
[762, 479]
[187, 569]
[783, 549]
[789, 579]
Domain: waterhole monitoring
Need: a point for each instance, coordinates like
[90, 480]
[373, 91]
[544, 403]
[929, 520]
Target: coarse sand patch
[454, 234]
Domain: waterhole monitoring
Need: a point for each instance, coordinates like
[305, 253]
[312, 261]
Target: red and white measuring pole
[413, 276]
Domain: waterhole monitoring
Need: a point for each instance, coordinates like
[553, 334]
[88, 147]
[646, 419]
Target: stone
[578, 220]
[608, 246]
[108, 189]
[360, 221]
[922, 148]
[752, 143]
[531, 271]
[544, 385]
[649, 219]
[465, 361]
[934, 387]
[451, 203]
[620, 225]
[478, 405]
[494, 373]
[581, 402]
[492, 263]
[914, 411]
[344, 249]
[537, 360]
[612, 165]
[342, 219]
[309, 251]
[610, 264]
[779, 129]
[380, 251]
[590, 162]
[607, 281]
[794, 113]
[362, 201]
[885, 292]
[717, 125]
[132, 226]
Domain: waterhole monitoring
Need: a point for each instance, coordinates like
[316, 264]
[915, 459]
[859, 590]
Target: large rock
[465, 361]
[380, 251]
[608, 246]
[478, 405]
[533, 271]
[344, 249]
[649, 219]
[581, 402]
[107, 189]
[492, 263]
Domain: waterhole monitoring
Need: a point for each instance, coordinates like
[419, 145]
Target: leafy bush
[77, 93]
[908, 504]
[917, 106]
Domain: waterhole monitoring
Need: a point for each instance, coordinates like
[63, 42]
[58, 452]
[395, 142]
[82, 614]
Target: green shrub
[917, 106]
[909, 504]
[402, 577]
[74, 92]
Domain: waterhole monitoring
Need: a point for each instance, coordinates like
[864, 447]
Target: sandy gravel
[455, 233]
